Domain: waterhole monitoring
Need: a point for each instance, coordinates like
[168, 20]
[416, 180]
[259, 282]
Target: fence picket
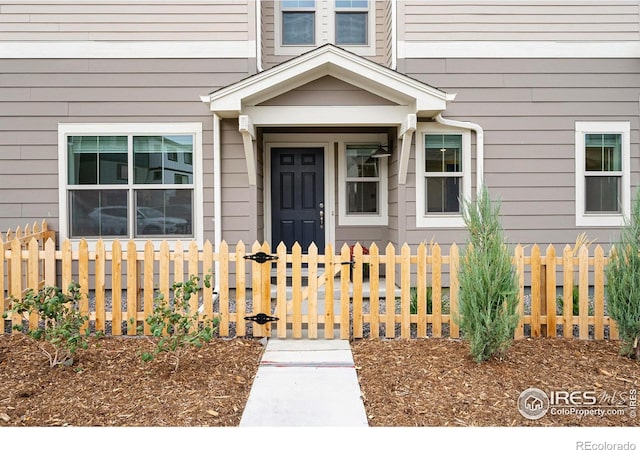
[148, 288]
[550, 259]
[454, 264]
[421, 291]
[519, 262]
[345, 261]
[100, 273]
[598, 282]
[356, 281]
[583, 288]
[535, 291]
[567, 292]
[33, 275]
[132, 288]
[265, 288]
[281, 291]
[329, 313]
[207, 291]
[116, 288]
[312, 300]
[390, 295]
[436, 290]
[223, 326]
[15, 280]
[296, 282]
[241, 291]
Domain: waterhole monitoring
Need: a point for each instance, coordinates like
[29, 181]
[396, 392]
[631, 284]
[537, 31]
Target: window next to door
[603, 189]
[443, 175]
[362, 185]
[130, 181]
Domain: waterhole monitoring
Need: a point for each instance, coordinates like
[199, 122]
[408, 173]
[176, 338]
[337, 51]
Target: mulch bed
[415, 383]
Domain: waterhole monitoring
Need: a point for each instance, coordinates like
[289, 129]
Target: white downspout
[259, 36]
[479, 144]
[394, 37]
[217, 197]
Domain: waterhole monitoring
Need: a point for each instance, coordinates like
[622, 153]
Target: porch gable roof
[411, 96]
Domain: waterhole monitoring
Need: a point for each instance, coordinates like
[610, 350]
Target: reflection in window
[103, 200]
[603, 172]
[443, 173]
[352, 18]
[362, 179]
[298, 22]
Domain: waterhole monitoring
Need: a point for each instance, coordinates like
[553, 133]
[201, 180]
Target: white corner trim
[128, 49]
[406, 134]
[518, 49]
[247, 130]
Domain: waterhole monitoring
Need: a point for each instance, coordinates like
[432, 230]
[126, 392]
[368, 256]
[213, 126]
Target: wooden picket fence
[350, 294]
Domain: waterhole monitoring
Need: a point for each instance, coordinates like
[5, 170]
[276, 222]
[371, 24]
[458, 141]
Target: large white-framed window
[443, 175]
[603, 185]
[300, 25]
[363, 184]
[130, 180]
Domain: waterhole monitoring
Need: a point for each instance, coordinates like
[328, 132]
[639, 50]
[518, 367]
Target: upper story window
[129, 180]
[352, 22]
[298, 22]
[300, 25]
[602, 173]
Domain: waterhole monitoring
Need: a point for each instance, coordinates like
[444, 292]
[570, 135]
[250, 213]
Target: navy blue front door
[297, 196]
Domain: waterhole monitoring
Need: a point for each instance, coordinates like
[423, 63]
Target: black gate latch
[261, 257]
[261, 318]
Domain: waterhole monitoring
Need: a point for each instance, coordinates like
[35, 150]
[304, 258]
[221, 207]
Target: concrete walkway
[306, 383]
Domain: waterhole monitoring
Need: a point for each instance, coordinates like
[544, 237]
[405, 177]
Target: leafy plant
[175, 325]
[623, 283]
[575, 307]
[488, 285]
[413, 302]
[60, 324]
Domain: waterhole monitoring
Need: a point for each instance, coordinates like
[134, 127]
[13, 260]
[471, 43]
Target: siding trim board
[128, 49]
[518, 49]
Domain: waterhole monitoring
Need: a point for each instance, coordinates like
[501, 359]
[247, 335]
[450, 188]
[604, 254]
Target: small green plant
[60, 322]
[413, 304]
[488, 284]
[623, 283]
[175, 325]
[575, 307]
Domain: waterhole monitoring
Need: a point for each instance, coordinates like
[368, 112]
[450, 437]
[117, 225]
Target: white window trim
[325, 23]
[68, 129]
[584, 219]
[380, 218]
[431, 220]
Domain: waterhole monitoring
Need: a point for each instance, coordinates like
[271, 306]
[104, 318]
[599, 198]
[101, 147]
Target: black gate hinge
[261, 318]
[261, 257]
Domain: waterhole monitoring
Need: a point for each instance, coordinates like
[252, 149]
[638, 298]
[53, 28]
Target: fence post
[421, 290]
[598, 280]
[436, 290]
[536, 283]
[148, 279]
[454, 288]
[345, 261]
[223, 325]
[583, 289]
[329, 302]
[241, 288]
[296, 276]
[312, 299]
[567, 292]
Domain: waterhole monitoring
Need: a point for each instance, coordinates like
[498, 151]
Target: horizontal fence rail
[354, 293]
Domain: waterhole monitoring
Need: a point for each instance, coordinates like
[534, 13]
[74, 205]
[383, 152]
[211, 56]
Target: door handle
[321, 215]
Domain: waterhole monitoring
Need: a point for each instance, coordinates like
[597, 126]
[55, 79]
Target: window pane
[298, 4]
[97, 159]
[352, 3]
[362, 197]
[360, 163]
[158, 159]
[162, 212]
[96, 213]
[351, 28]
[603, 152]
[298, 28]
[603, 194]
[443, 153]
[443, 194]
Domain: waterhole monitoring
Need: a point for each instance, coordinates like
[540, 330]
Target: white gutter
[217, 197]
[259, 35]
[479, 144]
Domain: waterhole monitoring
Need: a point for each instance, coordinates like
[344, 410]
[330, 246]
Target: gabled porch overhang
[406, 99]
